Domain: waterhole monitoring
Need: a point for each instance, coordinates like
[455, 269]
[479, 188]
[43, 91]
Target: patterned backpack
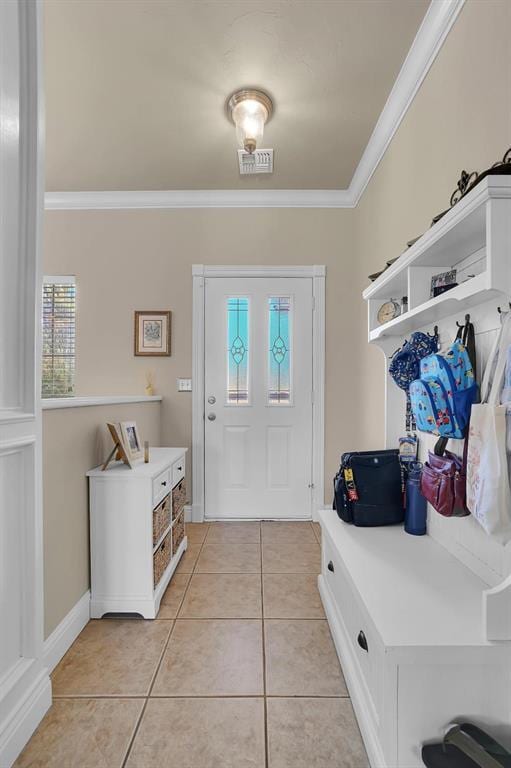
[404, 366]
[443, 395]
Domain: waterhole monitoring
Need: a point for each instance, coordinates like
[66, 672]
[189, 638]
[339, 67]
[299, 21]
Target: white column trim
[199, 272]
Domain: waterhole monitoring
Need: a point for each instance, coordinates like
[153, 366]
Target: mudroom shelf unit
[423, 624]
[137, 532]
[409, 627]
[474, 238]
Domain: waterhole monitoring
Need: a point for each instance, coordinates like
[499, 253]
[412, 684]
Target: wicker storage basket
[178, 499]
[161, 518]
[161, 558]
[178, 533]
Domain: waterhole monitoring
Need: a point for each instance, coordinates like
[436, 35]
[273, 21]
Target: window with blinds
[59, 331]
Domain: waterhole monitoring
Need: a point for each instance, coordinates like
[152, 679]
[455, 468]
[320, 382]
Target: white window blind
[59, 332]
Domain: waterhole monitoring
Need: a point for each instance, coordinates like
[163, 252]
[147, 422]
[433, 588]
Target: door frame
[199, 273]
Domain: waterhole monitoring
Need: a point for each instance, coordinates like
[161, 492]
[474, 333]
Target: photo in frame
[152, 333]
[133, 444]
[119, 450]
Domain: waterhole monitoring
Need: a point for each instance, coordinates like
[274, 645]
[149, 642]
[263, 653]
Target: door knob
[211, 416]
[211, 400]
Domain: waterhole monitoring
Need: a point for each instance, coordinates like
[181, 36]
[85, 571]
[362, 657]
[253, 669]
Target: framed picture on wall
[131, 439]
[152, 333]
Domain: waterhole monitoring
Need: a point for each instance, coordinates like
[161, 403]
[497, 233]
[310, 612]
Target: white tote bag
[488, 489]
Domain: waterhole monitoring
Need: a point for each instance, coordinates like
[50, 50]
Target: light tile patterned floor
[238, 671]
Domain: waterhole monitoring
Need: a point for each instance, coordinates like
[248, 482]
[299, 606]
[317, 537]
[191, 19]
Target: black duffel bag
[368, 489]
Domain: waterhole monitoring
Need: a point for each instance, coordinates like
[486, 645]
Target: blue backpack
[405, 363]
[443, 395]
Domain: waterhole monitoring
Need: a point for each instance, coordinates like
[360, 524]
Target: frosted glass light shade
[250, 109]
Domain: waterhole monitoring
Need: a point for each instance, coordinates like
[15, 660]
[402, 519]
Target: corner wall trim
[430, 37]
[64, 635]
[198, 198]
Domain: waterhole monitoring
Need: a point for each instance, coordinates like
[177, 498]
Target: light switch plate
[184, 385]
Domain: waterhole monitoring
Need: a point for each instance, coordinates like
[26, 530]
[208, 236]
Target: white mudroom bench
[409, 627]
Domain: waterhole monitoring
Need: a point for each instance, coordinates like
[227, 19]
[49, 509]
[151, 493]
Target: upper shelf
[475, 237]
[462, 231]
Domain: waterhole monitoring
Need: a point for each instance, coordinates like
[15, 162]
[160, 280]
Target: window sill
[51, 403]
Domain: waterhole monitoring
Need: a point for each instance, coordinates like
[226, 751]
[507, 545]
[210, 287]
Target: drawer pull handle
[362, 641]
[330, 566]
[179, 469]
[164, 482]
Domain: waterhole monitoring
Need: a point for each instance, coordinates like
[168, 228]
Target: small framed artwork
[443, 282]
[131, 439]
[152, 333]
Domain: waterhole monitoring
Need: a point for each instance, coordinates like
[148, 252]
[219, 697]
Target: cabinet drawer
[178, 498]
[161, 518]
[161, 558]
[178, 471]
[366, 645]
[161, 485]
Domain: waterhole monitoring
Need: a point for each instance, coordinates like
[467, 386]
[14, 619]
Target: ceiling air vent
[260, 161]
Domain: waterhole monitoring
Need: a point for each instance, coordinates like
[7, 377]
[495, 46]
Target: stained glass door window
[237, 350]
[279, 354]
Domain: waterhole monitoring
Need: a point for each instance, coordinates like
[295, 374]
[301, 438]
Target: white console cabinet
[408, 623]
[137, 532]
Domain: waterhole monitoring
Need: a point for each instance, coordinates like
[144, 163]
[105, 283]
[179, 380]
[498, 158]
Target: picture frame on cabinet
[133, 444]
[152, 333]
[119, 450]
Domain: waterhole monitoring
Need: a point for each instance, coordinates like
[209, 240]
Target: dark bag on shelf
[443, 483]
[466, 746]
[368, 489]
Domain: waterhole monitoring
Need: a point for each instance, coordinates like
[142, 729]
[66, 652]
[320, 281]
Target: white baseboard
[64, 635]
[188, 513]
[25, 719]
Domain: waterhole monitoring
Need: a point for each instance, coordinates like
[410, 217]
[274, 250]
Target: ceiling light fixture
[249, 110]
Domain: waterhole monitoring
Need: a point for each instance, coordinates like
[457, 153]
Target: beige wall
[127, 260]
[76, 439]
[460, 118]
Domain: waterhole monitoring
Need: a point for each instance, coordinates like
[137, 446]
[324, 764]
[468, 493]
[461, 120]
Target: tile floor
[238, 671]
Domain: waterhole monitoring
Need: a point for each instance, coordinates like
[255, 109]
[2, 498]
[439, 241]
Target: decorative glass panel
[279, 361]
[237, 350]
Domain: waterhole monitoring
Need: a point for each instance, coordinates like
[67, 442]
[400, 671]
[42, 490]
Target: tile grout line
[117, 697]
[265, 700]
[158, 665]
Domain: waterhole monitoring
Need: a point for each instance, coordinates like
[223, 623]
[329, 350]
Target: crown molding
[199, 198]
[430, 36]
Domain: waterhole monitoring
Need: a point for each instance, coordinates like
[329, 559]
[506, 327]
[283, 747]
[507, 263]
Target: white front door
[258, 397]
